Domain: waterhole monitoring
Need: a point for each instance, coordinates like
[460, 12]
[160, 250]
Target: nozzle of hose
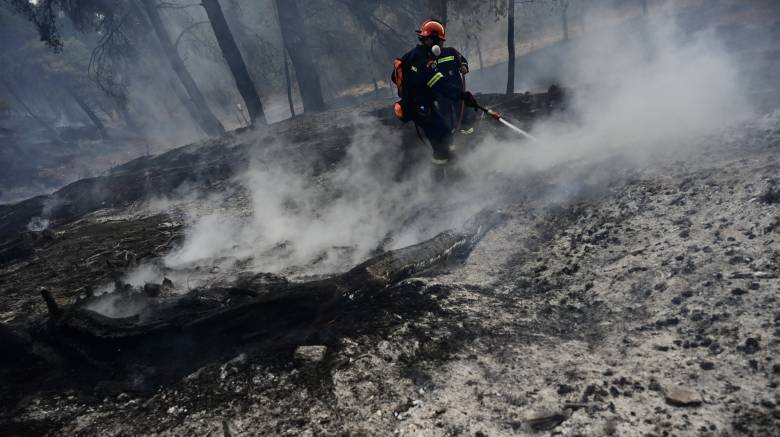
[494, 114]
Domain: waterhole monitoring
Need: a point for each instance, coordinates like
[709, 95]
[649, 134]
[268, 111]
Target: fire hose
[500, 118]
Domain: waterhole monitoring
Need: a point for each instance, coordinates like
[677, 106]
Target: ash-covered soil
[642, 300]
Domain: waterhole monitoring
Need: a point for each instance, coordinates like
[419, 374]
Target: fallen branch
[753, 275]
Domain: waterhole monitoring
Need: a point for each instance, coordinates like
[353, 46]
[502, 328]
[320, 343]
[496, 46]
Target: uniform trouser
[439, 134]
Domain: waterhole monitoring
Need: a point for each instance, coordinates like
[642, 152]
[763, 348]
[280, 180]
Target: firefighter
[431, 86]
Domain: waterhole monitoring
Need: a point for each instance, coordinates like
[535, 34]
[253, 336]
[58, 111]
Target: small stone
[682, 397]
[738, 291]
[751, 346]
[707, 365]
[310, 354]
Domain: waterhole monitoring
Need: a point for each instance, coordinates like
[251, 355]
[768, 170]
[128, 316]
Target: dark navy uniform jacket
[428, 80]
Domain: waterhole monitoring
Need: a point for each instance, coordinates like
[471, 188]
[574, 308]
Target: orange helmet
[431, 28]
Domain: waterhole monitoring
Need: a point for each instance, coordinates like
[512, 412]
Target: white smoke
[642, 92]
[301, 223]
[637, 92]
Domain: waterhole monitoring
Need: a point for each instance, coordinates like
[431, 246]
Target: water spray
[500, 118]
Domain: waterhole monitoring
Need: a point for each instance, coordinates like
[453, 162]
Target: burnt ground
[641, 303]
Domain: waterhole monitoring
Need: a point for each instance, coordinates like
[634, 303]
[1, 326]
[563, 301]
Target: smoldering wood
[211, 321]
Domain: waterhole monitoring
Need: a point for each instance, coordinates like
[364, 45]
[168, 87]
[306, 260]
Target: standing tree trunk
[87, 110]
[565, 21]
[510, 42]
[177, 85]
[40, 121]
[644, 6]
[437, 9]
[479, 53]
[235, 61]
[391, 40]
[294, 39]
[373, 71]
[288, 82]
[199, 108]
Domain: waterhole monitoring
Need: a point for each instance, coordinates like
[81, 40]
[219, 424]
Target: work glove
[469, 100]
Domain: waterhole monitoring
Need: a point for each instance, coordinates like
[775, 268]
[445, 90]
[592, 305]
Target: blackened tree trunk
[199, 109]
[88, 110]
[479, 52]
[175, 85]
[231, 53]
[510, 42]
[438, 10]
[294, 39]
[644, 6]
[391, 40]
[42, 122]
[288, 83]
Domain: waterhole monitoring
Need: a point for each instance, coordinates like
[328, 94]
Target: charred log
[265, 311]
[22, 354]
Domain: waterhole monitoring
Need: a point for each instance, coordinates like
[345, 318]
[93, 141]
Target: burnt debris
[179, 333]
